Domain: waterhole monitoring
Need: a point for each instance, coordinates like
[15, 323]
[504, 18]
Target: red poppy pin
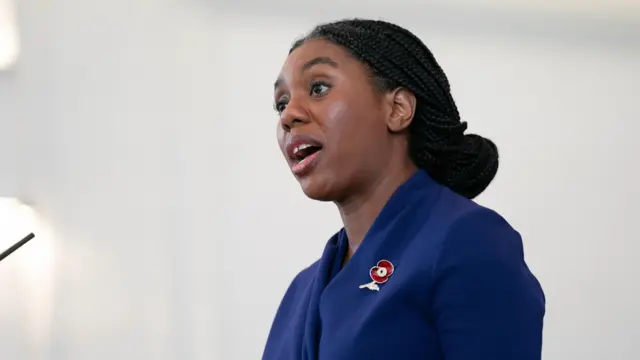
[379, 274]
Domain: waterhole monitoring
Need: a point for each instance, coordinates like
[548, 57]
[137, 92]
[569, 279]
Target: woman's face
[333, 123]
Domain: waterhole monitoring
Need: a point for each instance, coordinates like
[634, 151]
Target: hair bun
[472, 167]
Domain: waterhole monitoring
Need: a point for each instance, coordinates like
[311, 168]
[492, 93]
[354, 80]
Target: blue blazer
[458, 288]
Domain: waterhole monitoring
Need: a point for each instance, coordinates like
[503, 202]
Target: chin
[317, 189]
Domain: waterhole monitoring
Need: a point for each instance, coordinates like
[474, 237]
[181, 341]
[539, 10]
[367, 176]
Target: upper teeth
[300, 147]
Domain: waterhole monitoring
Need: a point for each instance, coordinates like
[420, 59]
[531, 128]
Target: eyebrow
[311, 63]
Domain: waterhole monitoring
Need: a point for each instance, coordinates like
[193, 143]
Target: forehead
[314, 49]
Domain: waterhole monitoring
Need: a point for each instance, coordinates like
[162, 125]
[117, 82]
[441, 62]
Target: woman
[419, 270]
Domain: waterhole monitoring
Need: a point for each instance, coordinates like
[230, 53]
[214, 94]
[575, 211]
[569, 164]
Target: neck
[360, 211]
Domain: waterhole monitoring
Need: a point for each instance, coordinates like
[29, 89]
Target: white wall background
[143, 131]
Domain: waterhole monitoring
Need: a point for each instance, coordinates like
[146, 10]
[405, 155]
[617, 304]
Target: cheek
[280, 134]
[338, 119]
[349, 124]
[341, 128]
[338, 111]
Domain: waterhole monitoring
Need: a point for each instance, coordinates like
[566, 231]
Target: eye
[279, 106]
[319, 88]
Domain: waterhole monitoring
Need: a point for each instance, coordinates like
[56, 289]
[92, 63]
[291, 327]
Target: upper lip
[297, 140]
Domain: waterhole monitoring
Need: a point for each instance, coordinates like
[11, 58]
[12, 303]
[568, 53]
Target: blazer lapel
[329, 265]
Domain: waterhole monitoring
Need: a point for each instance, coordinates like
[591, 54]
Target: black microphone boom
[16, 246]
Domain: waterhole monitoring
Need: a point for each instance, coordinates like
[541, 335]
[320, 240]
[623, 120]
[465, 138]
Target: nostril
[288, 125]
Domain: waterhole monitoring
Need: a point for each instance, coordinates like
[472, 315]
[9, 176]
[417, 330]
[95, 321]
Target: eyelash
[277, 106]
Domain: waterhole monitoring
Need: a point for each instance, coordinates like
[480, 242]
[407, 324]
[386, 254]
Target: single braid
[437, 143]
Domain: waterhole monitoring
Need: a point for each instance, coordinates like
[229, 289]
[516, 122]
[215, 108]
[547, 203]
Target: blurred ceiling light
[9, 38]
[27, 275]
[16, 221]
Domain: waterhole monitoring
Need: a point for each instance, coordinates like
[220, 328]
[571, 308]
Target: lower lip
[305, 166]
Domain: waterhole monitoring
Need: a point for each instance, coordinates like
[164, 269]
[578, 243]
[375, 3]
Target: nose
[293, 116]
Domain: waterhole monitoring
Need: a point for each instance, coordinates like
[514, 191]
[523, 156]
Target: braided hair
[465, 163]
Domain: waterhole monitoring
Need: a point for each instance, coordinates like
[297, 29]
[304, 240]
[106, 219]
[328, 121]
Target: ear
[403, 109]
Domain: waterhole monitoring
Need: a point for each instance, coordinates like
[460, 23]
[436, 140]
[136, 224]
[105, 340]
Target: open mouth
[305, 151]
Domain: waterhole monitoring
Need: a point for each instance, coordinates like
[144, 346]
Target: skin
[324, 92]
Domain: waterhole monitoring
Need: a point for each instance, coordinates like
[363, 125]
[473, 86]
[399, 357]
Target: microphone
[16, 246]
